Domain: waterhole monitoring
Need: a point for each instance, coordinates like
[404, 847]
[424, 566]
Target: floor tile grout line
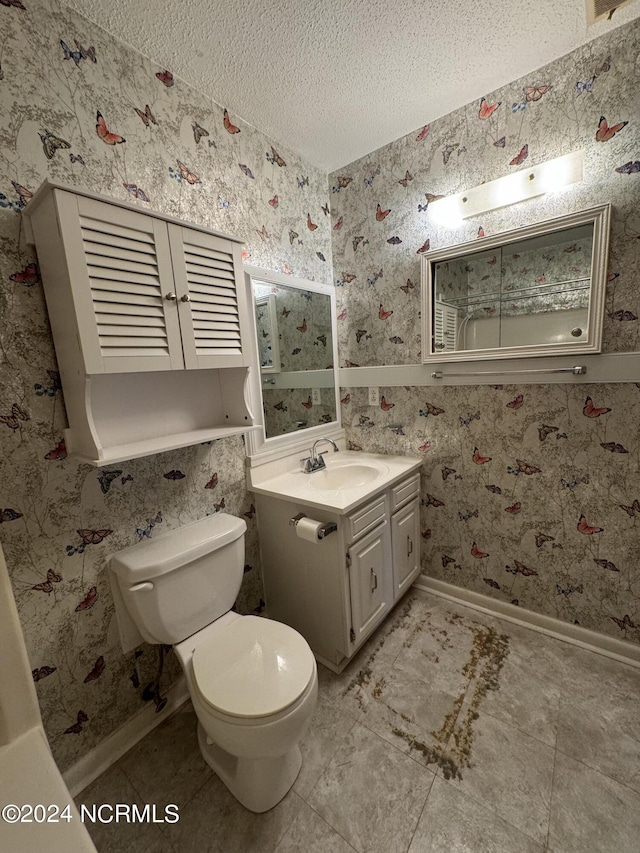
[553, 783]
[293, 819]
[424, 805]
[521, 731]
[129, 780]
[485, 805]
[324, 820]
[118, 764]
[326, 765]
[598, 771]
[400, 751]
[385, 743]
[197, 791]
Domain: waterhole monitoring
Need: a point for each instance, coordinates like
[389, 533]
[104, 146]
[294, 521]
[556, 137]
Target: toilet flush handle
[146, 586]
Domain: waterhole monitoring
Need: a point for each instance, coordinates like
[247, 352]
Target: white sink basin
[350, 478]
[346, 476]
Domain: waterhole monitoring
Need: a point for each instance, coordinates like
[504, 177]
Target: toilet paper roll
[308, 529]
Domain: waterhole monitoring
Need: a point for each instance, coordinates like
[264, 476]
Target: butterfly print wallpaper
[529, 495]
[79, 107]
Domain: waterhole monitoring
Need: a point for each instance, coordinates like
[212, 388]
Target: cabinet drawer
[365, 518]
[401, 493]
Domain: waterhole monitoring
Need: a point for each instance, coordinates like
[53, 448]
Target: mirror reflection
[534, 295]
[532, 292]
[268, 337]
[295, 346]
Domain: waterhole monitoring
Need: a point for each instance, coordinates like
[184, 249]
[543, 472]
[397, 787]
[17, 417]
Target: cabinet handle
[374, 581]
[409, 546]
[185, 298]
[171, 297]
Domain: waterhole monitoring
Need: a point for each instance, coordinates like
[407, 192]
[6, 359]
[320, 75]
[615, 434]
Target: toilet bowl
[253, 681]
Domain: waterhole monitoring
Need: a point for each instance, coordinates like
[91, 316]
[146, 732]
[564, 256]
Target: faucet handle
[319, 464]
[311, 464]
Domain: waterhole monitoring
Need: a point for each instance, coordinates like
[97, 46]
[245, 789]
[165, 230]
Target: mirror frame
[598, 216]
[268, 302]
[259, 447]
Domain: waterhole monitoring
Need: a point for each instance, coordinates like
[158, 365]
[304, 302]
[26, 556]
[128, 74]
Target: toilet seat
[252, 668]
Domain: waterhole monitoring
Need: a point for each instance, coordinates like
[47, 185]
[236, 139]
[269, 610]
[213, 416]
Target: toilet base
[258, 783]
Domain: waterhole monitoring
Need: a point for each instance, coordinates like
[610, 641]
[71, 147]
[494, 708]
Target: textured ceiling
[337, 79]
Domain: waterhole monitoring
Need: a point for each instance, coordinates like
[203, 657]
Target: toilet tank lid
[162, 554]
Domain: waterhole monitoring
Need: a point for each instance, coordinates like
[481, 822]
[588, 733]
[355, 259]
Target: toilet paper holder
[325, 530]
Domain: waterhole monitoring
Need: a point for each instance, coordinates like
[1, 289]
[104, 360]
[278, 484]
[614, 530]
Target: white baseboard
[107, 752]
[575, 634]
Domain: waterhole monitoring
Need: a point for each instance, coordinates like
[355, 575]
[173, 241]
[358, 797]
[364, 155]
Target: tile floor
[450, 731]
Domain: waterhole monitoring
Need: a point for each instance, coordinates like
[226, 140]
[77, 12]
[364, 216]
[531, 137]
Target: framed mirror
[533, 291]
[295, 324]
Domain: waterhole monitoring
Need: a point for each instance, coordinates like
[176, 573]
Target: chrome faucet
[315, 462]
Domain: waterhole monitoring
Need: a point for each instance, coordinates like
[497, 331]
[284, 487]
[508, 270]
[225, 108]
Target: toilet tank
[177, 583]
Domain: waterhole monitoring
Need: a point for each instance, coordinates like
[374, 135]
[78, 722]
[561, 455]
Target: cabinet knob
[171, 297]
[185, 298]
[374, 581]
[409, 546]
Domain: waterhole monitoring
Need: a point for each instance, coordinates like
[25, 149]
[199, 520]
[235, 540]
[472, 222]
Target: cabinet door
[211, 298]
[445, 327]
[405, 544]
[370, 581]
[120, 273]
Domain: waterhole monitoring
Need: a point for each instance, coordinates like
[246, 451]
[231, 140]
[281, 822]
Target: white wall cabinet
[150, 324]
[337, 591]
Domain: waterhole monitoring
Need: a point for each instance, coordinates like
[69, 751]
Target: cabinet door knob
[409, 546]
[171, 297]
[374, 581]
[185, 298]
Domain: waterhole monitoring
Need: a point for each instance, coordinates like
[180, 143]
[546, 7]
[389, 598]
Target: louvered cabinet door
[211, 298]
[123, 288]
[445, 327]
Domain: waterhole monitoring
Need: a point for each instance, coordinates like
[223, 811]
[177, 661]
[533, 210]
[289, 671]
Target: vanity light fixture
[510, 189]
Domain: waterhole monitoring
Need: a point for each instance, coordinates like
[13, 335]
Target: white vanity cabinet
[336, 591]
[150, 324]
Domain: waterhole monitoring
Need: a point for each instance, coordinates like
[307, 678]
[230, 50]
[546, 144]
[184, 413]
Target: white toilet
[253, 682]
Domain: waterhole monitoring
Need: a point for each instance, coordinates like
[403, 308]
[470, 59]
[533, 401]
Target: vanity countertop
[350, 478]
